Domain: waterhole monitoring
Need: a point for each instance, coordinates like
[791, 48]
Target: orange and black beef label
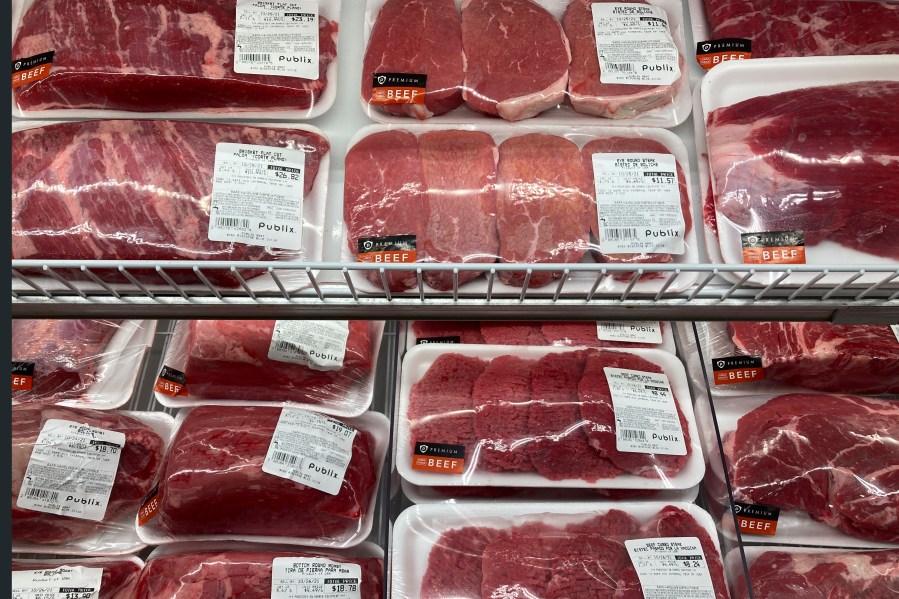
[438, 457]
[398, 88]
[711, 53]
[387, 250]
[171, 382]
[756, 519]
[773, 247]
[31, 69]
[733, 370]
[22, 376]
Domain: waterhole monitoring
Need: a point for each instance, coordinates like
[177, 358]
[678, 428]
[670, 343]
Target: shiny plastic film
[118, 576]
[327, 366]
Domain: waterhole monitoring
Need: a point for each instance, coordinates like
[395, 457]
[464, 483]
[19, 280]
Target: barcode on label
[282, 457]
[630, 434]
[256, 57]
[42, 494]
[224, 222]
[620, 66]
[291, 347]
[617, 233]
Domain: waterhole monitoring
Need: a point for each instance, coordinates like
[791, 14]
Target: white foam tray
[419, 359]
[365, 549]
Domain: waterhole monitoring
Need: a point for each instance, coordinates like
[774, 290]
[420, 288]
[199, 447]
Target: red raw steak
[516, 332]
[455, 563]
[501, 398]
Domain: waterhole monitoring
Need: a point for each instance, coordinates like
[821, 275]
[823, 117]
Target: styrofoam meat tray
[419, 359]
[363, 550]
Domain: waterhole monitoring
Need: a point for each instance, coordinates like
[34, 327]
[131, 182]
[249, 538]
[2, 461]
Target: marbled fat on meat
[155, 56]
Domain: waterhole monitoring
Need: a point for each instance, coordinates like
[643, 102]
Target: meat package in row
[79, 477]
[80, 363]
[555, 552]
[114, 577]
[325, 365]
[267, 474]
[164, 190]
[455, 196]
[515, 59]
[256, 571]
[541, 417]
[164, 56]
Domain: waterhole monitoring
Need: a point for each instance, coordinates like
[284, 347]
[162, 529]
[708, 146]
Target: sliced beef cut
[441, 408]
[236, 574]
[139, 462]
[383, 195]
[628, 145]
[155, 56]
[516, 58]
[801, 160]
[583, 333]
[133, 190]
[502, 397]
[824, 575]
[823, 356]
[512, 333]
[832, 456]
[66, 356]
[419, 37]
[213, 483]
[228, 359]
[455, 563]
[587, 566]
[520, 566]
[560, 449]
[119, 580]
[587, 93]
[459, 206]
[466, 331]
[543, 204]
[598, 412]
[807, 27]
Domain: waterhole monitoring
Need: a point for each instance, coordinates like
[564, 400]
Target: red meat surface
[455, 563]
[501, 399]
[587, 566]
[512, 333]
[119, 579]
[519, 565]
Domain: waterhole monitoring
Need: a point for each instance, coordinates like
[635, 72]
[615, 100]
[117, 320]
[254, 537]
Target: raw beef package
[179, 56]
[479, 551]
[457, 196]
[545, 417]
[80, 363]
[782, 574]
[117, 577]
[797, 177]
[832, 457]
[326, 365]
[235, 472]
[805, 27]
[255, 571]
[79, 476]
[142, 190]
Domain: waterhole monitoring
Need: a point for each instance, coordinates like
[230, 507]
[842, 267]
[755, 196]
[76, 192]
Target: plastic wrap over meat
[820, 161]
[155, 56]
[213, 483]
[822, 356]
[139, 461]
[234, 360]
[561, 333]
[119, 580]
[134, 190]
[807, 27]
[832, 456]
[239, 573]
[556, 555]
[818, 575]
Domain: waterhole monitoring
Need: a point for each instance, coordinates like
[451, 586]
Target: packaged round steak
[174, 59]
[267, 474]
[784, 185]
[476, 551]
[239, 570]
[559, 61]
[537, 417]
[325, 365]
[589, 333]
[453, 195]
[79, 477]
[99, 577]
[197, 184]
[78, 363]
[745, 358]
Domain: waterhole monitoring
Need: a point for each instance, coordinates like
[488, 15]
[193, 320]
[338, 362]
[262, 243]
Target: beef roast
[383, 194]
[459, 205]
[823, 356]
[155, 56]
[421, 37]
[516, 58]
[230, 574]
[543, 204]
[119, 580]
[213, 482]
[138, 464]
[501, 398]
[832, 456]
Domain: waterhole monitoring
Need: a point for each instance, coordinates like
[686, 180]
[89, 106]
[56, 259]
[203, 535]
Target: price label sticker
[671, 568]
[65, 582]
[315, 578]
